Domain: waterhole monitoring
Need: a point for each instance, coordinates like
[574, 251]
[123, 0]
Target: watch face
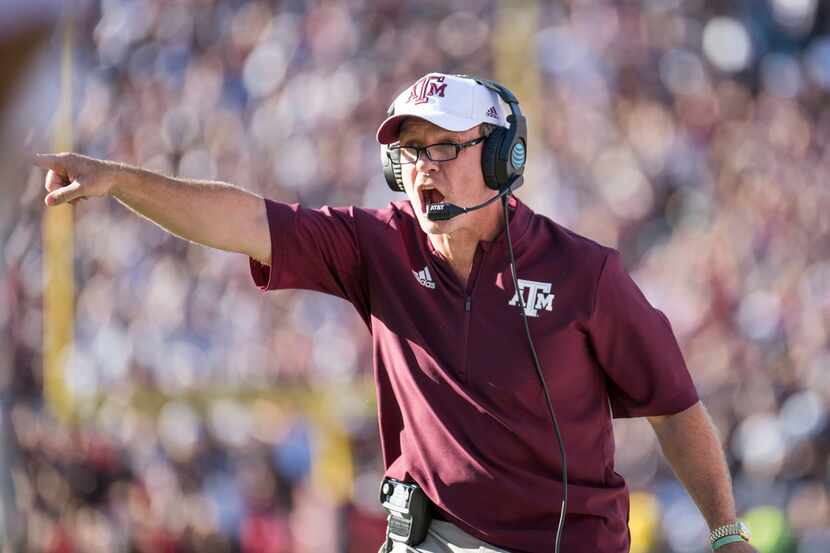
[743, 531]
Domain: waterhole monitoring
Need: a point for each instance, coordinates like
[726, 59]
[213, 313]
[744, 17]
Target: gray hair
[486, 129]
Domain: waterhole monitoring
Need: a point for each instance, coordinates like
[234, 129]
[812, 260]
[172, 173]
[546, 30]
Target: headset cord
[538, 367]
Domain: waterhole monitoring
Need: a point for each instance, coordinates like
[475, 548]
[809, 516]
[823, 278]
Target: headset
[503, 154]
[503, 159]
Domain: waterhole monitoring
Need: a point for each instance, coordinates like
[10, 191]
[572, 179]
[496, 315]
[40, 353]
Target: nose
[424, 164]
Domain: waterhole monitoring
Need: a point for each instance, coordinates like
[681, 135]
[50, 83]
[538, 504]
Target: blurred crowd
[693, 136]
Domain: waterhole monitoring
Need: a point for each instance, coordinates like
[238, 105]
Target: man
[461, 412]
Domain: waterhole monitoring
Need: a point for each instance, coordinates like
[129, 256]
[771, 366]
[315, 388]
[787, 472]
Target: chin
[434, 227]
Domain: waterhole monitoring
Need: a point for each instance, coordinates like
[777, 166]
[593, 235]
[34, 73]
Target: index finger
[55, 162]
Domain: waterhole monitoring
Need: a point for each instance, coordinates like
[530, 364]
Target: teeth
[425, 200]
[429, 196]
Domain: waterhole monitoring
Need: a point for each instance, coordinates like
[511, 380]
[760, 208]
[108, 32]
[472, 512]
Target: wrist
[725, 541]
[729, 533]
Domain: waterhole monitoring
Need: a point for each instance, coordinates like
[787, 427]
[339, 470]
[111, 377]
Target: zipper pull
[467, 302]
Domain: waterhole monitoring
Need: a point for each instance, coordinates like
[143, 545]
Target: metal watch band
[733, 529]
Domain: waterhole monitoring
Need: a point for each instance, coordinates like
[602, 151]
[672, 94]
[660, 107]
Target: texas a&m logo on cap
[425, 87]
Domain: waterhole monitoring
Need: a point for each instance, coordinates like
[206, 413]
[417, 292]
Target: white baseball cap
[448, 101]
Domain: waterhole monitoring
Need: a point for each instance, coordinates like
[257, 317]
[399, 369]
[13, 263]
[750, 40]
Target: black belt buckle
[408, 511]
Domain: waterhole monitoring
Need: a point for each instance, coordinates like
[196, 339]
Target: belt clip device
[408, 508]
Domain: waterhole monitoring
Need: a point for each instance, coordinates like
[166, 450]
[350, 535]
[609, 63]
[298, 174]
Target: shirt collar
[520, 216]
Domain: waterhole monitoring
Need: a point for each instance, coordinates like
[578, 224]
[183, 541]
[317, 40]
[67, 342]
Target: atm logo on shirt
[535, 295]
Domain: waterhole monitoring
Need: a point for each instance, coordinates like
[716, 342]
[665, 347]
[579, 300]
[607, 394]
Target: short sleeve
[637, 349]
[313, 249]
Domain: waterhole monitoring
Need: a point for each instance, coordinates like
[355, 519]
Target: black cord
[538, 367]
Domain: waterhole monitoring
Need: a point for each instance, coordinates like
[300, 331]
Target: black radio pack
[408, 511]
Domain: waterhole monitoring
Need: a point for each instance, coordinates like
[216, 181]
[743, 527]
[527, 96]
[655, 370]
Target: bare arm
[691, 446]
[215, 214]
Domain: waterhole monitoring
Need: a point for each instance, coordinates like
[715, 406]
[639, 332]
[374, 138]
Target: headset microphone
[445, 211]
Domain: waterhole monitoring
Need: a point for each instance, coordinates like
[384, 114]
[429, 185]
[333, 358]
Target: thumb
[64, 194]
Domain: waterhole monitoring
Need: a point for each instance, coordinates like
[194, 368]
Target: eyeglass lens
[435, 152]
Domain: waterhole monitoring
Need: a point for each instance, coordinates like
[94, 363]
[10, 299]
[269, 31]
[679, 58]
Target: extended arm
[691, 446]
[215, 214]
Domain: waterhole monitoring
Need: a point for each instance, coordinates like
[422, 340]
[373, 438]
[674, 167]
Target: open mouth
[430, 196]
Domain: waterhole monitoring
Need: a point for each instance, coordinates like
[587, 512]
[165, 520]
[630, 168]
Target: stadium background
[193, 413]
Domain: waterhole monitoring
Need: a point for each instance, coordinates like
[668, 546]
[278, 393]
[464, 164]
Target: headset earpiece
[504, 153]
[391, 171]
[489, 157]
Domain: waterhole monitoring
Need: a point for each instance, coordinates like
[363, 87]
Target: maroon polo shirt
[460, 408]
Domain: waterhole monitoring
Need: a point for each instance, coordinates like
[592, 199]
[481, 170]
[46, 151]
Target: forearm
[691, 446]
[215, 214]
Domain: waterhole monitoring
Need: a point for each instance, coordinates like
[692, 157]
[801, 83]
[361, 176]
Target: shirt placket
[469, 291]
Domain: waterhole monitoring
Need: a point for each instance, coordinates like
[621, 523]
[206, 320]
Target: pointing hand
[73, 177]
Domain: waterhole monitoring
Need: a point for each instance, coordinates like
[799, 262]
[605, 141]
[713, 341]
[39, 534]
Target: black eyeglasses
[445, 151]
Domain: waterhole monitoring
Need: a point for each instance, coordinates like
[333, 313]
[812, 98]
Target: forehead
[419, 130]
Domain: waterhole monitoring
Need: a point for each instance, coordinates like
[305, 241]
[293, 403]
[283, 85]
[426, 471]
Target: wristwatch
[737, 528]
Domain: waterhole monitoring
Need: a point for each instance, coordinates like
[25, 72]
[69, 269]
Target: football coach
[503, 343]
